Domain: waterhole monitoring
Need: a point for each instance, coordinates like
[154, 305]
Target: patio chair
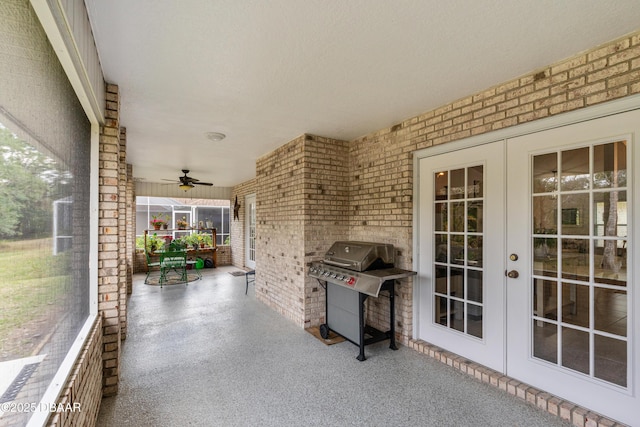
[173, 263]
[155, 265]
[248, 279]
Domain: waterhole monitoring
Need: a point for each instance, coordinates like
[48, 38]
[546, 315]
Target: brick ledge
[568, 411]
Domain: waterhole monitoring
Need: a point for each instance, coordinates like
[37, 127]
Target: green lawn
[32, 288]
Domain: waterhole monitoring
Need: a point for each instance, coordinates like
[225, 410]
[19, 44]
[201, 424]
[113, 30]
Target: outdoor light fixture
[186, 187]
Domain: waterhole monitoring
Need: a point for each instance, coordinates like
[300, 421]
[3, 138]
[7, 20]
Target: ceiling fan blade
[202, 183]
[170, 180]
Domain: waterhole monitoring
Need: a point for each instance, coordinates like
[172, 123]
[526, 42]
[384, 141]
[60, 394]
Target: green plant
[154, 243]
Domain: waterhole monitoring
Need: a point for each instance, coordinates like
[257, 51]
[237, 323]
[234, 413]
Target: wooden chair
[173, 263]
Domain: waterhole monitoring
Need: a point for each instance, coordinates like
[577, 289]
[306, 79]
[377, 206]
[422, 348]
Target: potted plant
[182, 223]
[157, 222]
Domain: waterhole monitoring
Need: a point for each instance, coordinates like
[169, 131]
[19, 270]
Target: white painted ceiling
[266, 71]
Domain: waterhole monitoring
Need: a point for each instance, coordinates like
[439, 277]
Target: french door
[525, 260]
[461, 291]
[250, 231]
[571, 295]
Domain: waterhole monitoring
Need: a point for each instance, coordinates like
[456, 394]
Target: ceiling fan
[186, 182]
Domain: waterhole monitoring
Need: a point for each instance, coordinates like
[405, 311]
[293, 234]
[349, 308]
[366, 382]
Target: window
[45, 162]
[199, 213]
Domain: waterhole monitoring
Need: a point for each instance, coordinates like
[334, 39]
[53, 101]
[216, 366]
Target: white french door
[461, 284]
[525, 255]
[571, 217]
[250, 231]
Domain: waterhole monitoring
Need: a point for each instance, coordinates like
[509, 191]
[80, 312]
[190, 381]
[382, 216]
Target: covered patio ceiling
[264, 72]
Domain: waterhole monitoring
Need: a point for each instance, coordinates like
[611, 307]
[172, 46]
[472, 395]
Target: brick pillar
[122, 233]
[131, 227]
[108, 242]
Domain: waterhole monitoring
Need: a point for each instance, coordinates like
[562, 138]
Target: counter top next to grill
[391, 273]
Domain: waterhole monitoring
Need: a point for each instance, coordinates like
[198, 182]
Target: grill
[351, 272]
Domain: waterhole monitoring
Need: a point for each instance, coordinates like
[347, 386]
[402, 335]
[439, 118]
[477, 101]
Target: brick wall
[280, 230]
[84, 385]
[326, 212]
[302, 206]
[380, 175]
[223, 255]
[382, 181]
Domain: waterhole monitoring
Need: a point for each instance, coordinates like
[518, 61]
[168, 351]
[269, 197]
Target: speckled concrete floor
[207, 355]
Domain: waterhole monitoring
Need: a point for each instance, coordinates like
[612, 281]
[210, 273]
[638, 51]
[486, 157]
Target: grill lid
[360, 256]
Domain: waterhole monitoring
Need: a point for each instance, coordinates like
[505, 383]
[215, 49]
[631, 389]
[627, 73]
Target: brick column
[108, 239]
[131, 227]
[122, 233]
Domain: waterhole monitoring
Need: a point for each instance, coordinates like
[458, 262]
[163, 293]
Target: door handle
[513, 274]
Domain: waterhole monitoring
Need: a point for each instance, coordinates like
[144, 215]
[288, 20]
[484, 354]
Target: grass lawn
[33, 285]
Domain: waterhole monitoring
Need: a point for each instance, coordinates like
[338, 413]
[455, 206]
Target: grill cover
[360, 256]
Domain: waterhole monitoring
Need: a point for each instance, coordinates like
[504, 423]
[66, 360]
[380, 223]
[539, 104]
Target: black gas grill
[352, 272]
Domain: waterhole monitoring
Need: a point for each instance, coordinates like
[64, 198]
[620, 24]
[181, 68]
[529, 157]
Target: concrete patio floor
[206, 354]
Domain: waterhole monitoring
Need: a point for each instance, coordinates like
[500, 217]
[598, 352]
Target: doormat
[333, 337]
[173, 280]
[237, 273]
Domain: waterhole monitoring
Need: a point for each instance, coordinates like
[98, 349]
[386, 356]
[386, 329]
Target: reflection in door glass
[458, 252]
[579, 269]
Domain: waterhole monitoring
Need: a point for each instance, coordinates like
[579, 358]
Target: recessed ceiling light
[215, 136]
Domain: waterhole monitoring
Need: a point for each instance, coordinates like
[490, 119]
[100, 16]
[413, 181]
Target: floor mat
[155, 280]
[333, 337]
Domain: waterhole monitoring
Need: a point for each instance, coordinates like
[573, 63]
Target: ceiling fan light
[186, 187]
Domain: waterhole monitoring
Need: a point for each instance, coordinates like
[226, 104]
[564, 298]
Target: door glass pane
[457, 217]
[474, 251]
[545, 256]
[575, 259]
[575, 350]
[475, 182]
[457, 249]
[575, 214]
[441, 184]
[610, 311]
[441, 279]
[474, 285]
[441, 216]
[611, 360]
[588, 253]
[575, 169]
[474, 217]
[545, 299]
[457, 283]
[459, 220]
[457, 184]
[545, 173]
[545, 218]
[474, 320]
[575, 304]
[441, 249]
[457, 315]
[545, 341]
[610, 165]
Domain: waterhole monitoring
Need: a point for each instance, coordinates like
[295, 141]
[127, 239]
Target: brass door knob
[513, 274]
